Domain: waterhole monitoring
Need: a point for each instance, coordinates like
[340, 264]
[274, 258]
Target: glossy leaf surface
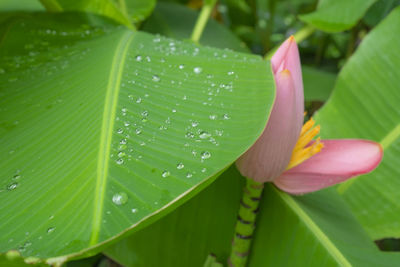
[103, 129]
[365, 104]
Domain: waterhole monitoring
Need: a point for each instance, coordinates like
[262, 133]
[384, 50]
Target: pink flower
[286, 153]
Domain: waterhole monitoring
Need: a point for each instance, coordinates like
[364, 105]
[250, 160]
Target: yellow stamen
[303, 150]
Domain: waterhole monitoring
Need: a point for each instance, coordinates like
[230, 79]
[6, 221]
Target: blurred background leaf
[177, 21]
[337, 15]
[108, 8]
[25, 5]
[139, 10]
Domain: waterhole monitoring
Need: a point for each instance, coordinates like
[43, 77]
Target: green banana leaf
[365, 104]
[108, 8]
[138, 10]
[104, 130]
[25, 5]
[337, 15]
[313, 230]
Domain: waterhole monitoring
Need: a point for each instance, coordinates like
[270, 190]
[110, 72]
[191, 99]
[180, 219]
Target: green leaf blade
[366, 88]
[96, 122]
[337, 15]
[312, 230]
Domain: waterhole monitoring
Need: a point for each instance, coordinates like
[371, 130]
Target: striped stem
[245, 224]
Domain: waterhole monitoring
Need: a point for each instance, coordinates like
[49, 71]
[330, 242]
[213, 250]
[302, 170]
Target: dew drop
[231, 73]
[180, 166]
[203, 170]
[122, 141]
[119, 161]
[219, 132]
[181, 66]
[138, 131]
[138, 58]
[12, 186]
[16, 177]
[226, 117]
[197, 70]
[50, 230]
[165, 174]
[121, 154]
[120, 131]
[189, 175]
[156, 78]
[194, 123]
[204, 135]
[120, 198]
[189, 135]
[145, 113]
[139, 100]
[212, 117]
[173, 110]
[134, 210]
[205, 155]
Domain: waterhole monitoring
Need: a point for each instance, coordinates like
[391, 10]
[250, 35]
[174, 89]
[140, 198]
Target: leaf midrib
[318, 233]
[109, 113]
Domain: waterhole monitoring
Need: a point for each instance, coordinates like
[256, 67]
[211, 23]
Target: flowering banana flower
[287, 153]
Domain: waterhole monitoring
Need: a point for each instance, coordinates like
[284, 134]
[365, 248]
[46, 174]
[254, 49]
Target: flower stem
[245, 224]
[202, 20]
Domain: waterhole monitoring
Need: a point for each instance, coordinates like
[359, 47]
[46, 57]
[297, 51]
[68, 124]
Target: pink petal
[338, 161]
[271, 153]
[287, 57]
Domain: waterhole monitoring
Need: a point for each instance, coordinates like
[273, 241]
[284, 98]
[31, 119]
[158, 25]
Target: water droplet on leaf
[12, 186]
[165, 174]
[180, 166]
[120, 198]
[156, 78]
[204, 135]
[205, 155]
[197, 70]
